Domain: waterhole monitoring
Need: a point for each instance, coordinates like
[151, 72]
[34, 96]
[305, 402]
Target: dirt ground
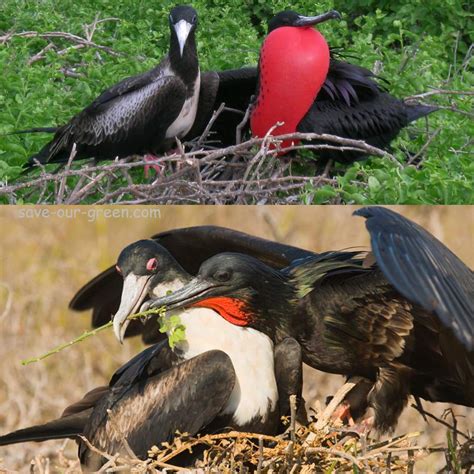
[45, 259]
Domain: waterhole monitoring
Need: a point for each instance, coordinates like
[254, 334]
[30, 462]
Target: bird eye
[152, 264]
[222, 275]
[118, 269]
[194, 20]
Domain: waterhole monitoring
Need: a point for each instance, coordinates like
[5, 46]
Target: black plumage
[352, 103]
[133, 116]
[141, 114]
[383, 321]
[190, 246]
[205, 384]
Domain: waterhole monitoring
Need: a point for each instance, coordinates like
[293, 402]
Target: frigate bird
[142, 114]
[220, 376]
[351, 103]
[190, 247]
[405, 322]
[345, 100]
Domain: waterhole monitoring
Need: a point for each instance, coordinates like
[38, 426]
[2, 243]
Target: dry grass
[45, 260]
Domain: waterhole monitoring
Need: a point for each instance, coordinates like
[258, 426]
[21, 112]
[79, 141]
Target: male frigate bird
[220, 376]
[142, 114]
[405, 322]
[299, 86]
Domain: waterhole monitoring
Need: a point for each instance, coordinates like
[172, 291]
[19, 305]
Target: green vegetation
[418, 46]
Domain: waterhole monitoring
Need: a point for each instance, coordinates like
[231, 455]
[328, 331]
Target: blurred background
[46, 258]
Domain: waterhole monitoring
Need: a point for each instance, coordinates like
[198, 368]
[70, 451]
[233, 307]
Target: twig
[59, 34]
[243, 122]
[62, 184]
[437, 92]
[334, 452]
[9, 302]
[424, 147]
[87, 334]
[207, 439]
[323, 420]
[423, 412]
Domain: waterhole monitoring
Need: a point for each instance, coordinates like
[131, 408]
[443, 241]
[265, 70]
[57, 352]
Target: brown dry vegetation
[45, 260]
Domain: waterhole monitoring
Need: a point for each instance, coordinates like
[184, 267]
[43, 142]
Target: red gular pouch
[294, 63]
[231, 309]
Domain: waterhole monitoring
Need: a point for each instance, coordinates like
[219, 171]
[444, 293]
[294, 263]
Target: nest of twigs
[322, 446]
[251, 172]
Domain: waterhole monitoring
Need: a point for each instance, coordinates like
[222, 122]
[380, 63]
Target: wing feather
[423, 270]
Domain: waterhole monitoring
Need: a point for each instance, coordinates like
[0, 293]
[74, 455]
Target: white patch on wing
[251, 352]
[183, 123]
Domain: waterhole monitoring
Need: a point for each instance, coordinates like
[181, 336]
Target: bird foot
[343, 414]
[364, 427]
[153, 160]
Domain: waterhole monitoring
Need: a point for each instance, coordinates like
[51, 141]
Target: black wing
[353, 104]
[423, 270]
[69, 425]
[127, 85]
[130, 118]
[149, 362]
[190, 246]
[232, 87]
[185, 398]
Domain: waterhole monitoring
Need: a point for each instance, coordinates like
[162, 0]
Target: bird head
[240, 288]
[293, 19]
[183, 21]
[148, 270]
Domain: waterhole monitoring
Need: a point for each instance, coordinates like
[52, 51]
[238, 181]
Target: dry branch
[249, 172]
[79, 41]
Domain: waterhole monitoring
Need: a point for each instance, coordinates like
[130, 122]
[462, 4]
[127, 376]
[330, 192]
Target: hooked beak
[182, 29]
[135, 290]
[195, 290]
[314, 20]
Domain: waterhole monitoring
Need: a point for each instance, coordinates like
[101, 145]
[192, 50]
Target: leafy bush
[418, 45]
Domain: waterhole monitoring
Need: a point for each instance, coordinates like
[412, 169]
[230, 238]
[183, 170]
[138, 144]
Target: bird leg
[343, 414]
[149, 158]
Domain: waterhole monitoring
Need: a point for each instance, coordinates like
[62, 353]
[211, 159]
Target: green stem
[87, 334]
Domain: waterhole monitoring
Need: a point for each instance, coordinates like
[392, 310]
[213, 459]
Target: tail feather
[43, 157]
[35, 130]
[66, 427]
[416, 111]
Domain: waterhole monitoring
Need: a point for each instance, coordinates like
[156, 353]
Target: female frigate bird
[220, 376]
[142, 114]
[299, 86]
[405, 322]
[190, 247]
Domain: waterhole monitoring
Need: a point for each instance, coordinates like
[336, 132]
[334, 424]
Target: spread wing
[423, 270]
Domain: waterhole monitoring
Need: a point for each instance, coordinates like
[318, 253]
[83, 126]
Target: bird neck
[187, 65]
